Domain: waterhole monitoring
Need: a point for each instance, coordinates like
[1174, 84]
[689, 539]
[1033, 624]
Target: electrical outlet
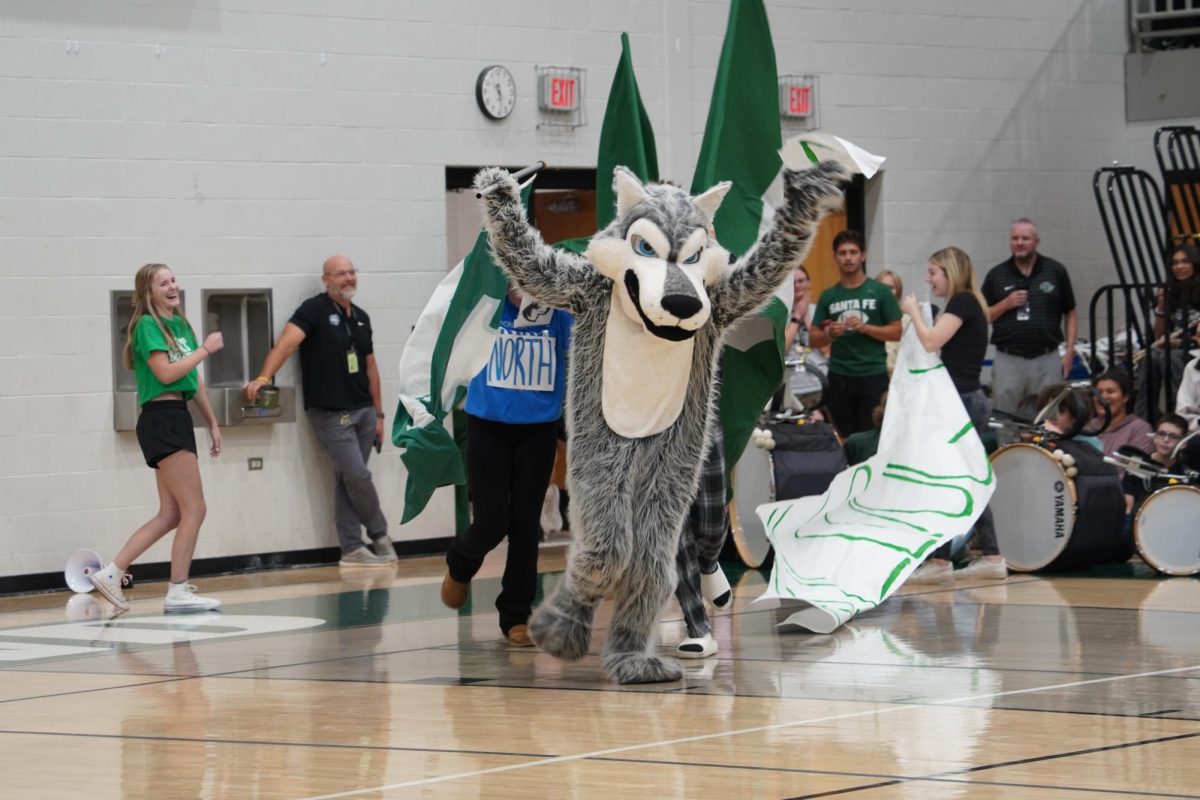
[254, 463]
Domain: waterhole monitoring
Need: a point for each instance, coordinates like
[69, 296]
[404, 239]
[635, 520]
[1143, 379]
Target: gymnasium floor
[314, 683]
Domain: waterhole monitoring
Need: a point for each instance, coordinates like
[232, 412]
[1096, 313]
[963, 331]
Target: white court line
[757, 729]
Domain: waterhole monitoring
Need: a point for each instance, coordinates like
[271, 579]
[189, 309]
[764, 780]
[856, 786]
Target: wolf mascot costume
[652, 297]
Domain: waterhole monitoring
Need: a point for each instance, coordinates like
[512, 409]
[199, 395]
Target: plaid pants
[702, 537]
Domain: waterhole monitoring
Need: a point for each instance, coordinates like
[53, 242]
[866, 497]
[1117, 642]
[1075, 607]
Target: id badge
[352, 361]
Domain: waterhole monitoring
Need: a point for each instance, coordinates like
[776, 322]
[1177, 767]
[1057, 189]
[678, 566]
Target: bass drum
[806, 458]
[1166, 530]
[1046, 520]
[753, 486]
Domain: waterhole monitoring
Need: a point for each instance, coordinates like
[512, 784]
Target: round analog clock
[496, 92]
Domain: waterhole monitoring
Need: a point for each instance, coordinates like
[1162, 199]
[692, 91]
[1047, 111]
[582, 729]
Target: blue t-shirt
[526, 376]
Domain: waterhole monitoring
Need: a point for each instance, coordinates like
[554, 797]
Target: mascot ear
[710, 201]
[628, 189]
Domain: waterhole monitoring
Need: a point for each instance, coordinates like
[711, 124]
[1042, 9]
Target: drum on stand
[802, 460]
[1047, 520]
[1166, 530]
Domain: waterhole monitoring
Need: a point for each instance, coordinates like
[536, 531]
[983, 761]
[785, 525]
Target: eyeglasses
[1171, 437]
[342, 273]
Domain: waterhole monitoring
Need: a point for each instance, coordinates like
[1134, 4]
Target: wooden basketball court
[319, 683]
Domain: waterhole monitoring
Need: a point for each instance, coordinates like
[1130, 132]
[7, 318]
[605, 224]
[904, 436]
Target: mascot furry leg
[652, 298]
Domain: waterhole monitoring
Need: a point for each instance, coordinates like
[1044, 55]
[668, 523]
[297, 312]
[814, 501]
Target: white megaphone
[79, 569]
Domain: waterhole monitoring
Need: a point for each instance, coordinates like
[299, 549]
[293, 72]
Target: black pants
[852, 398]
[508, 470]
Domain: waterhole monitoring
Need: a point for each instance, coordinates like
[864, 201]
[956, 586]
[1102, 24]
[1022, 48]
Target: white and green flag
[847, 550]
[451, 342]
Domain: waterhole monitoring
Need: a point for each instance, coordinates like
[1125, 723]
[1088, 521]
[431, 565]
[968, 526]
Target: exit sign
[559, 93]
[797, 96]
[799, 101]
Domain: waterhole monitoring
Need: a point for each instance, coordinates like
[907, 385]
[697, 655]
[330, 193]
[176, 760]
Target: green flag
[741, 144]
[626, 138]
[449, 345]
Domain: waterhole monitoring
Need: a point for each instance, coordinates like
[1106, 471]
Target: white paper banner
[847, 550]
[813, 148]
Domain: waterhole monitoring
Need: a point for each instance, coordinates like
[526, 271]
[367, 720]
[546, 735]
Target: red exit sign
[800, 101]
[796, 96]
[559, 93]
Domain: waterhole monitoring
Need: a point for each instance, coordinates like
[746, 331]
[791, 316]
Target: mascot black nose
[681, 305]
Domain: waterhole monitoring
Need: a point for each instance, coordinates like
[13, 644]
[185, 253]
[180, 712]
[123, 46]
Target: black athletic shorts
[165, 427]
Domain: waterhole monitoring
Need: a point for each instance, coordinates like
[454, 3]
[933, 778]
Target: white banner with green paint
[847, 550]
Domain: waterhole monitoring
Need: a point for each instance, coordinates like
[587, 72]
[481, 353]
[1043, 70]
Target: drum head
[753, 485]
[1166, 530]
[1033, 505]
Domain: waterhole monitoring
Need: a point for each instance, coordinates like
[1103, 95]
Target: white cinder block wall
[243, 141]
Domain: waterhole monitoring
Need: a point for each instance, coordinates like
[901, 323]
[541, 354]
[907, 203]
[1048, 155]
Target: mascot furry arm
[651, 298]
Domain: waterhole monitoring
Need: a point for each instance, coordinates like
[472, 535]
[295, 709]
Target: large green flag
[741, 144]
[626, 138]
[449, 345]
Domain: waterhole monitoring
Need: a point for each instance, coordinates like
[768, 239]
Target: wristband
[263, 378]
[379, 415]
[205, 349]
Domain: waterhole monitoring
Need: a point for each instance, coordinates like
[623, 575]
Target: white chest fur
[644, 378]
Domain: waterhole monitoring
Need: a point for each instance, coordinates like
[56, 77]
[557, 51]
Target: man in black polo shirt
[341, 395]
[1029, 298]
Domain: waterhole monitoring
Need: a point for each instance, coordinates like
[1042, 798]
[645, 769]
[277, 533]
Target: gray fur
[629, 496]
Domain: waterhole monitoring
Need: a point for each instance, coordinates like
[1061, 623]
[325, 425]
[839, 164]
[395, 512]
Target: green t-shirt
[147, 337]
[857, 353]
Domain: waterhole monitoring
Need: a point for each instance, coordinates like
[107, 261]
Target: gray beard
[346, 294]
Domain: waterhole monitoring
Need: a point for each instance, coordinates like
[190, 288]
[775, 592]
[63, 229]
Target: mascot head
[659, 254]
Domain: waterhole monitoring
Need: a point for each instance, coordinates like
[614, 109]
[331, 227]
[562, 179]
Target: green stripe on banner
[984, 481]
[962, 432]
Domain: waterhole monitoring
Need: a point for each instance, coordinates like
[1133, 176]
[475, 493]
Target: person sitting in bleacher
[1176, 328]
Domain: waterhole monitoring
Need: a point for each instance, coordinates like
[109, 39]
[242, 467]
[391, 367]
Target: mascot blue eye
[694, 257]
[643, 248]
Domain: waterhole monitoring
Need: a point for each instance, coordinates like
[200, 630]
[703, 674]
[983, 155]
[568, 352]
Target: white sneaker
[362, 557]
[384, 548]
[929, 572]
[108, 583]
[714, 586]
[183, 597]
[703, 647]
[982, 568]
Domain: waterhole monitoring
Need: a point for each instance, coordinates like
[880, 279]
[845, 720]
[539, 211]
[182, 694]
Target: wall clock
[496, 92]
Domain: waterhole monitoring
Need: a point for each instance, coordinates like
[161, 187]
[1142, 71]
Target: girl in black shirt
[961, 333]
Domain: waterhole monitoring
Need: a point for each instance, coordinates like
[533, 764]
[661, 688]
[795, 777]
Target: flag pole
[518, 176]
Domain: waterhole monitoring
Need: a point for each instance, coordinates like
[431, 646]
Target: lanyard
[345, 322]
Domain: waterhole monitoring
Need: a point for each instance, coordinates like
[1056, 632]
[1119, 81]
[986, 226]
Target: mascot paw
[819, 187]
[562, 635]
[638, 668]
[496, 175]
